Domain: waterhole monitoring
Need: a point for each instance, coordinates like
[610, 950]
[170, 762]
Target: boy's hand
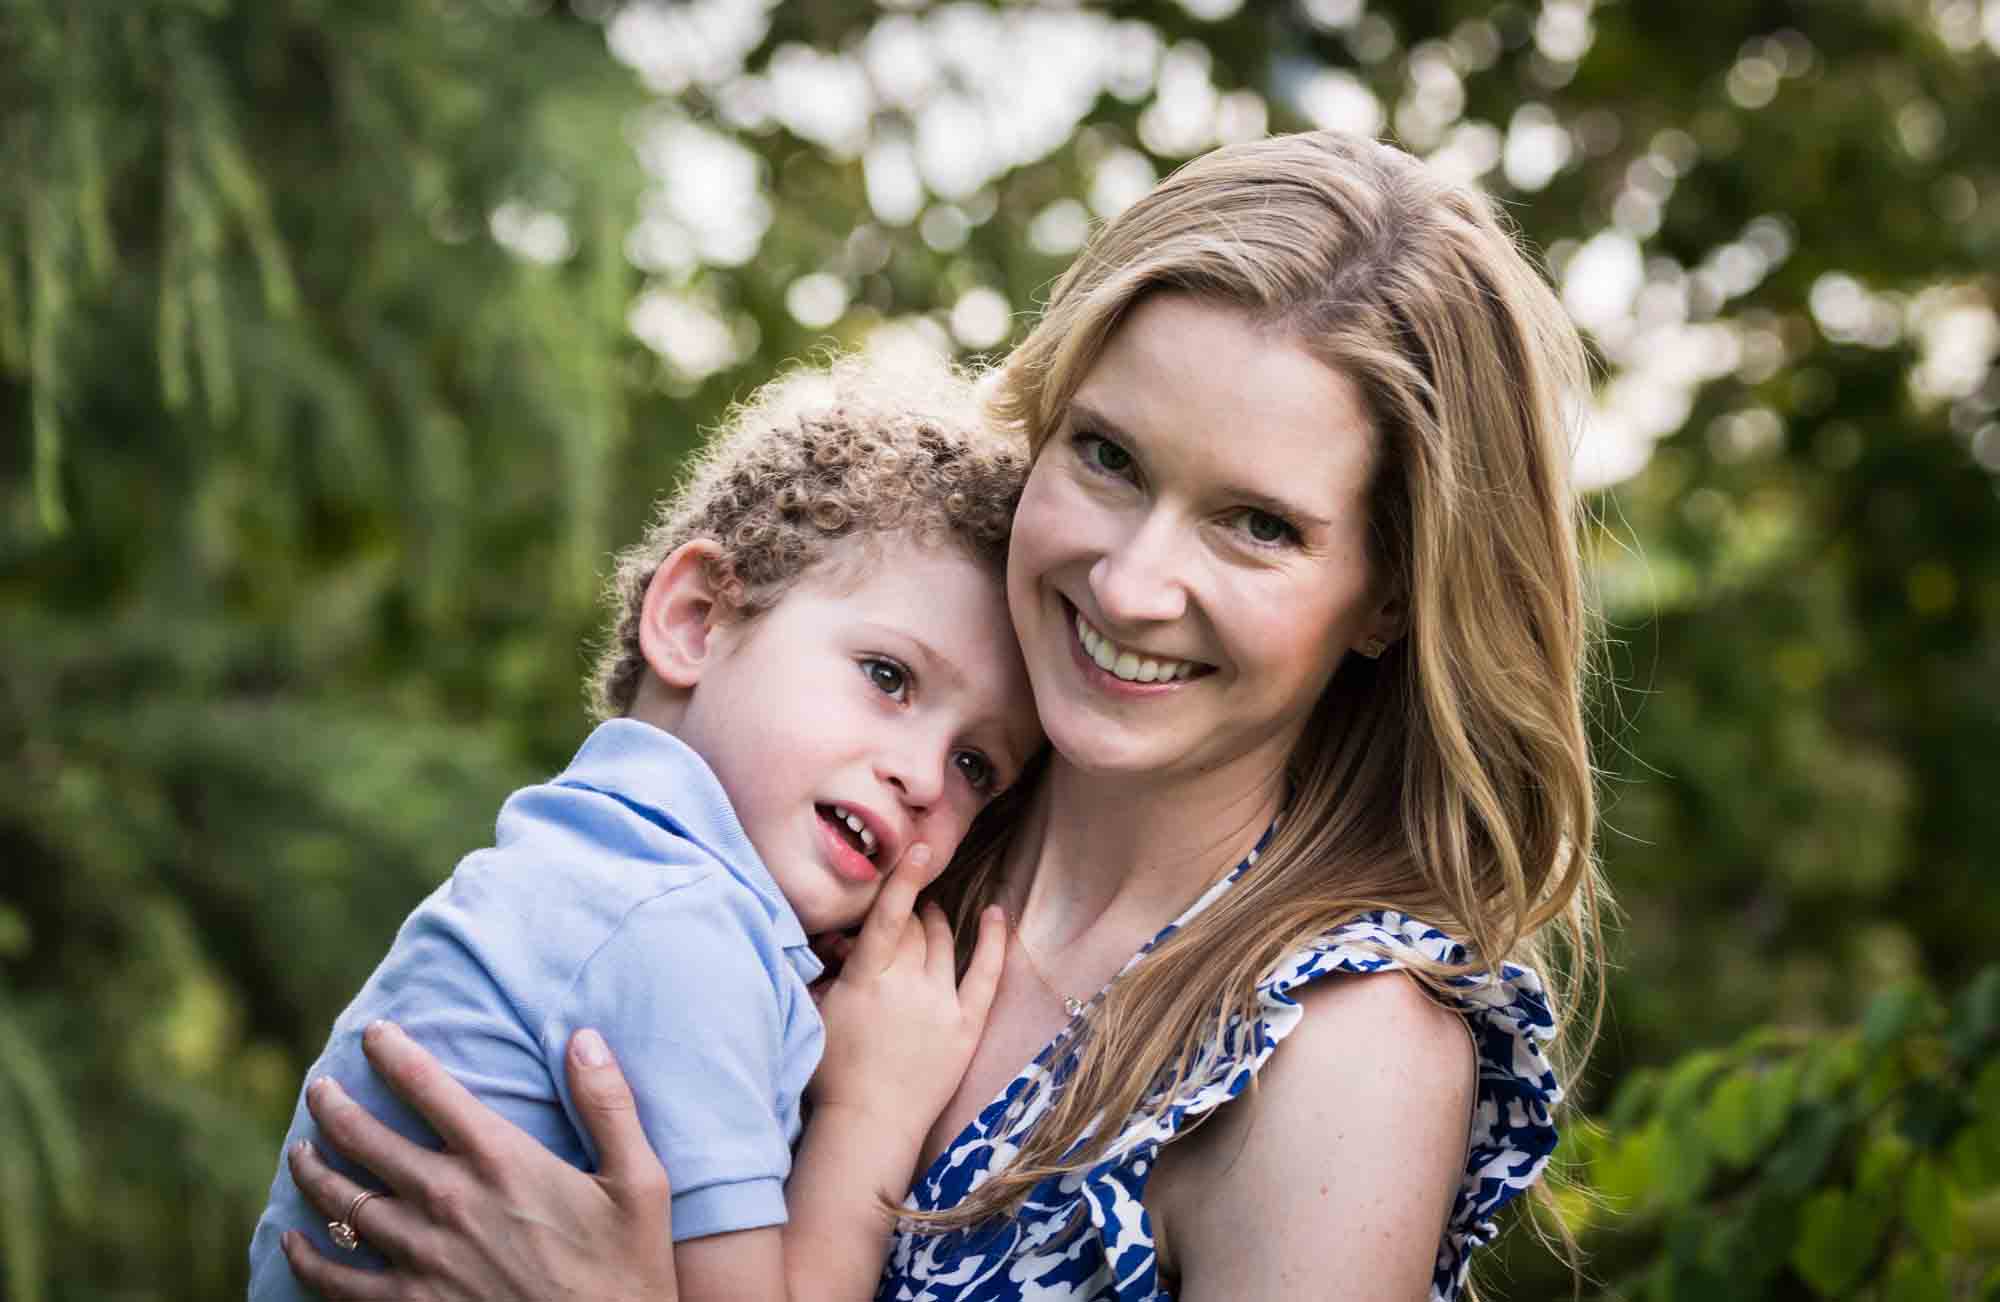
[900, 1030]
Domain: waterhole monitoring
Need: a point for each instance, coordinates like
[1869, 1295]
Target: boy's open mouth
[851, 829]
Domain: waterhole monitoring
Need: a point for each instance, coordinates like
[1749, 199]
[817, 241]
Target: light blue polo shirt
[621, 895]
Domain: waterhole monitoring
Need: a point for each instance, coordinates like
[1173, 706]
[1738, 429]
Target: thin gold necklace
[1071, 1004]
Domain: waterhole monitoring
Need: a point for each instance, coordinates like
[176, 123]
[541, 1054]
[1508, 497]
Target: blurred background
[340, 343]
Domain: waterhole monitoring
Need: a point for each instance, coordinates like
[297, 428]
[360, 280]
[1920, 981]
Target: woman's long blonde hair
[1451, 779]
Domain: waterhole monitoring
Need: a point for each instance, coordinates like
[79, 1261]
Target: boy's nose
[917, 775]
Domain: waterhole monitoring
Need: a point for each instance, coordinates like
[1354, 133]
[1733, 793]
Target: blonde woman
[1295, 577]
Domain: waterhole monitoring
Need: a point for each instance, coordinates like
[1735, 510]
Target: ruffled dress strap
[1511, 1134]
[1085, 1236]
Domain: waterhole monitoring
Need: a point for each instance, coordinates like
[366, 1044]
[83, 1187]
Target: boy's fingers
[625, 1157]
[921, 864]
[337, 1283]
[939, 954]
[982, 975]
[882, 931]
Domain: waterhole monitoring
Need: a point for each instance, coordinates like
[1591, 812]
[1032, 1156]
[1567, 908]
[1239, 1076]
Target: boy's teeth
[1128, 665]
[859, 828]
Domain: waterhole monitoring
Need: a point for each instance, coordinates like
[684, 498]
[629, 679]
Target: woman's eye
[1102, 454]
[978, 770]
[1263, 527]
[890, 678]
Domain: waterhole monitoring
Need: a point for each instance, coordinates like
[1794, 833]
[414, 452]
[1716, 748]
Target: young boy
[811, 672]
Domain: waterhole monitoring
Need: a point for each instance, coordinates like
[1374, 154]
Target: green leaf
[1634, 1100]
[1830, 1067]
[1975, 1154]
[1626, 1171]
[1837, 1237]
[1684, 1163]
[1914, 1278]
[1890, 1016]
[1680, 1094]
[1932, 1113]
[1747, 1110]
[1927, 1206]
[1975, 1015]
[1754, 1245]
[1815, 1131]
[1879, 1172]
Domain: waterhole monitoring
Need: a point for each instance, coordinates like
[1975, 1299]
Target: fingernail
[591, 1050]
[381, 1027]
[326, 1089]
[920, 854]
[289, 1241]
[304, 1148]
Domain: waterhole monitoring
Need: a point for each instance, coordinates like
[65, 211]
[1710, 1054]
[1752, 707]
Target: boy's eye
[978, 770]
[1101, 453]
[1263, 527]
[890, 678]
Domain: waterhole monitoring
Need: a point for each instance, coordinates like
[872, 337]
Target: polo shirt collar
[660, 775]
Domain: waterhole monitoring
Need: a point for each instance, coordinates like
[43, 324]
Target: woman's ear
[1389, 622]
[680, 614]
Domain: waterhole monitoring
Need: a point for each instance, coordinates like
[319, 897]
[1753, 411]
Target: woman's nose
[1139, 580]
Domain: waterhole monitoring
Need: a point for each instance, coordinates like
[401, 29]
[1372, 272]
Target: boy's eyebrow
[1088, 419]
[934, 663]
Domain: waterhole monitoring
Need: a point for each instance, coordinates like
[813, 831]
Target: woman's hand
[900, 1025]
[496, 1215]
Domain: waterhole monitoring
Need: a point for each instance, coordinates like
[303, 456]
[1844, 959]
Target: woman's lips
[1106, 681]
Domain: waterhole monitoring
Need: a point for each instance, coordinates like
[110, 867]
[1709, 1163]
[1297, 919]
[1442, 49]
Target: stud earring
[1372, 647]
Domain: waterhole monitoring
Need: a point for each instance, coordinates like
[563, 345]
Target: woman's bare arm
[1338, 1169]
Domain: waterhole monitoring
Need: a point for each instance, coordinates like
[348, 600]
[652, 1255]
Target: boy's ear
[680, 614]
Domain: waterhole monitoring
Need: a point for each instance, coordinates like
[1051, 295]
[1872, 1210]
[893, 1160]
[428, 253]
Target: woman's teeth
[1128, 665]
[859, 828]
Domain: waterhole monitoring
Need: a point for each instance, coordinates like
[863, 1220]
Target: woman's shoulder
[1363, 1040]
[1389, 1019]
[1418, 1102]
[1359, 1123]
[1504, 1004]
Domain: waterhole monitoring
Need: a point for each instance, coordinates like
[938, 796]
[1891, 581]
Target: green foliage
[1859, 1163]
[291, 415]
[339, 343]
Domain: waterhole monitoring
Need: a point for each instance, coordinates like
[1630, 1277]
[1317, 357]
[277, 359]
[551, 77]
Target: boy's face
[885, 689]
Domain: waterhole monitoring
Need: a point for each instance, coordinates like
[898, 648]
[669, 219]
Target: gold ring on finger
[342, 1231]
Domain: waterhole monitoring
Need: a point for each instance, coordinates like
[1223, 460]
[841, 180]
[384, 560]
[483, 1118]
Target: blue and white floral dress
[1111, 1256]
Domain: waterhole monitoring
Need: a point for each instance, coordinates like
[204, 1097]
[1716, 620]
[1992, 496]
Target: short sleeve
[686, 991]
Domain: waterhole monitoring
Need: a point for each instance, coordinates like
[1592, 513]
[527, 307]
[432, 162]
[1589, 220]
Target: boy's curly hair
[859, 447]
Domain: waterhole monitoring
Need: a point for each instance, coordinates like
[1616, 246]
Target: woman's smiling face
[1190, 561]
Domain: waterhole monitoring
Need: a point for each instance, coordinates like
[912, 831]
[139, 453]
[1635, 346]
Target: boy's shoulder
[636, 823]
[634, 792]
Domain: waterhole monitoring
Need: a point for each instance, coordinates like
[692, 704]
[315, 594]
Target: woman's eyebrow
[1082, 416]
[1278, 506]
[1086, 418]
